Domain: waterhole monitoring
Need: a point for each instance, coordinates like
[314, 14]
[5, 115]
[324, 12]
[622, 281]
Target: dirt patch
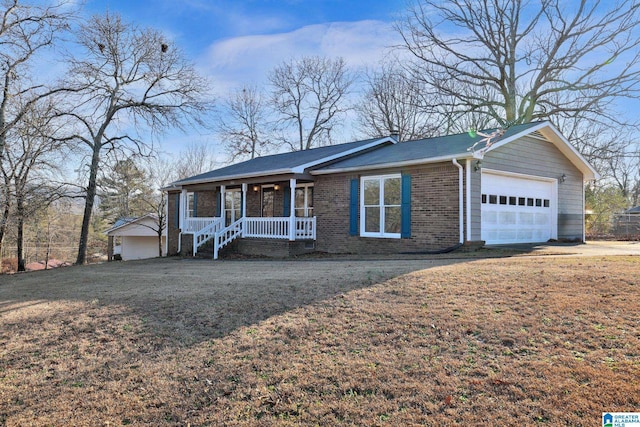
[175, 342]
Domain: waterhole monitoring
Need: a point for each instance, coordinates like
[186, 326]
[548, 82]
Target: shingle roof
[122, 222]
[635, 210]
[280, 163]
[362, 155]
[443, 147]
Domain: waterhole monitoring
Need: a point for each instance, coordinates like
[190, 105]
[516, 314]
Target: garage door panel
[516, 209]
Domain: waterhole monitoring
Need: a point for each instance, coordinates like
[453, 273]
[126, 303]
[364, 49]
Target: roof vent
[394, 134]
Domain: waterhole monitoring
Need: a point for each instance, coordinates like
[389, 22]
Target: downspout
[166, 224]
[468, 167]
[461, 198]
[584, 218]
[181, 216]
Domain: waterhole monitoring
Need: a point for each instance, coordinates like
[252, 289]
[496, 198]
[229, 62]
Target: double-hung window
[304, 200]
[191, 205]
[380, 206]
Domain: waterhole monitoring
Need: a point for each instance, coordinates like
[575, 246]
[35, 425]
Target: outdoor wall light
[276, 187]
[256, 188]
[477, 166]
[563, 178]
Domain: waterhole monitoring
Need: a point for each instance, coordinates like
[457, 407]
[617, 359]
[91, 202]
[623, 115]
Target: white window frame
[230, 213]
[306, 208]
[191, 199]
[381, 233]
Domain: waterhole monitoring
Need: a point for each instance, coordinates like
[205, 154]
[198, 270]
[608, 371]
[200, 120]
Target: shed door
[518, 209]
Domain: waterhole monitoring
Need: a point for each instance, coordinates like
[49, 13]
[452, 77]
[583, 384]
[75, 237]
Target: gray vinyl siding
[476, 199]
[532, 156]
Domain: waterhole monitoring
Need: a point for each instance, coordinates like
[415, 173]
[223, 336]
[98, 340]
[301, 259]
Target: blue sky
[238, 42]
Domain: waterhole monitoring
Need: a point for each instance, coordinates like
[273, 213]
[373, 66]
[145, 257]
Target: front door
[232, 206]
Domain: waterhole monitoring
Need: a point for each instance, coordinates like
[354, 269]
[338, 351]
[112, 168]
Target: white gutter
[584, 224]
[461, 198]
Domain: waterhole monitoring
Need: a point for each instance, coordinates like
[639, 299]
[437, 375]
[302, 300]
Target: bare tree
[128, 81]
[32, 154]
[159, 175]
[243, 124]
[194, 159]
[308, 95]
[393, 102]
[510, 58]
[25, 30]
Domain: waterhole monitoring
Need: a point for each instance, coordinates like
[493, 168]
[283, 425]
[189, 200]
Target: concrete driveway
[591, 248]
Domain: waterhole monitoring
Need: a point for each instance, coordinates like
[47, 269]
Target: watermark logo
[621, 419]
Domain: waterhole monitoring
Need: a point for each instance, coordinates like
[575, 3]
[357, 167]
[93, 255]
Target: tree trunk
[48, 252]
[88, 204]
[3, 223]
[20, 238]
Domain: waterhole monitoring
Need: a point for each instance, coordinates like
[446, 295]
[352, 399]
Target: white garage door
[517, 209]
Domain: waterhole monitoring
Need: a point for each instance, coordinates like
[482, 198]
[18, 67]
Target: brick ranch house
[525, 184]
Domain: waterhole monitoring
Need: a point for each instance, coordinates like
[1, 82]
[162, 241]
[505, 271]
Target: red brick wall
[173, 232]
[207, 201]
[254, 201]
[434, 212]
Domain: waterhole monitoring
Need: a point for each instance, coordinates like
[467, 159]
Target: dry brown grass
[518, 341]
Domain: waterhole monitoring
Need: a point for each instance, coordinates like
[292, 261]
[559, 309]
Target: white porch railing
[306, 228]
[205, 229]
[204, 234]
[193, 225]
[267, 228]
[278, 228]
[226, 236]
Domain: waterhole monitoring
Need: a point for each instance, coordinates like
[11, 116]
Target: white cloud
[236, 61]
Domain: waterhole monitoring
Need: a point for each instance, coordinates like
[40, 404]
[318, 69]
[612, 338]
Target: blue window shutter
[405, 231]
[195, 204]
[176, 219]
[353, 207]
[287, 202]
[219, 204]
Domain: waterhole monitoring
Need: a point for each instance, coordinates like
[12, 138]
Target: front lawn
[514, 341]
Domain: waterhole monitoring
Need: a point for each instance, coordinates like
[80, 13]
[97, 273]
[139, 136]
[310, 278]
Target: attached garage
[518, 208]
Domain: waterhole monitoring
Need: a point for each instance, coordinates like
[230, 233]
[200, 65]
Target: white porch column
[223, 189]
[244, 200]
[292, 209]
[183, 208]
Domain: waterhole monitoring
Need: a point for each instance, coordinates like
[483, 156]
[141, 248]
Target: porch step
[206, 251]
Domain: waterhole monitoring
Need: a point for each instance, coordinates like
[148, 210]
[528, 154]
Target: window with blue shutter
[353, 208]
[219, 204]
[381, 206]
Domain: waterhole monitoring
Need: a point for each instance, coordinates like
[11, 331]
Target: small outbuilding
[135, 238]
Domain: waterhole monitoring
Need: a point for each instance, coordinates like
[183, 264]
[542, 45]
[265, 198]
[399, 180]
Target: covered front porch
[276, 210]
